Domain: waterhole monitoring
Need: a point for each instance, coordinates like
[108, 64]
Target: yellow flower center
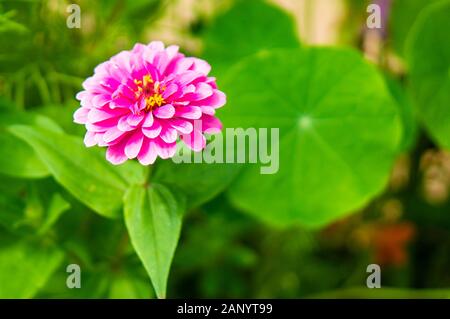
[151, 91]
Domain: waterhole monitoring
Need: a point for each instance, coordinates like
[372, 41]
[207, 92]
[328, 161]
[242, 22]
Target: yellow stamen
[147, 80]
[155, 99]
[143, 87]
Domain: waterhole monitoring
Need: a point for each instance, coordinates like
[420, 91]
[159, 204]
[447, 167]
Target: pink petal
[153, 131]
[156, 45]
[182, 65]
[89, 84]
[123, 124]
[189, 112]
[112, 135]
[208, 110]
[148, 153]
[170, 91]
[116, 154]
[100, 100]
[195, 141]
[100, 127]
[188, 77]
[98, 115]
[164, 112]
[121, 62]
[172, 51]
[134, 119]
[89, 139]
[202, 91]
[125, 92]
[100, 141]
[211, 124]
[183, 126]
[148, 122]
[121, 102]
[201, 66]
[168, 134]
[165, 150]
[216, 100]
[80, 95]
[81, 115]
[160, 61]
[211, 81]
[134, 145]
[138, 48]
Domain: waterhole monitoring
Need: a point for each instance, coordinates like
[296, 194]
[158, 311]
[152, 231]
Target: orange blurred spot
[390, 243]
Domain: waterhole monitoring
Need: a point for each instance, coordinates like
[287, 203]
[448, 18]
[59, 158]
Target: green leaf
[248, 27]
[133, 172]
[25, 268]
[57, 206]
[404, 14]
[200, 182]
[11, 211]
[63, 115]
[82, 171]
[428, 55]
[339, 133]
[407, 114]
[17, 159]
[126, 286]
[10, 118]
[6, 104]
[153, 217]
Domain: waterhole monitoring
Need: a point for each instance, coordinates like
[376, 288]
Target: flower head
[139, 102]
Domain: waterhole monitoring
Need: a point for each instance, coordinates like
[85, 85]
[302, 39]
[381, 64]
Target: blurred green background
[225, 250]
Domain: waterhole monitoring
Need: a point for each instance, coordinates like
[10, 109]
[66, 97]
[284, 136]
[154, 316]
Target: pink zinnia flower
[140, 101]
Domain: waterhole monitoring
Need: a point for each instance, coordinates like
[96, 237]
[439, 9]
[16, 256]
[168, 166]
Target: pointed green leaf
[82, 171]
[153, 216]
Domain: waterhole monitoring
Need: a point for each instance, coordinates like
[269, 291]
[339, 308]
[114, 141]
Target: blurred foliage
[375, 181]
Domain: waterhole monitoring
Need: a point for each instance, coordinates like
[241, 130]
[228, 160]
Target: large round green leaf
[428, 55]
[339, 133]
[248, 27]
